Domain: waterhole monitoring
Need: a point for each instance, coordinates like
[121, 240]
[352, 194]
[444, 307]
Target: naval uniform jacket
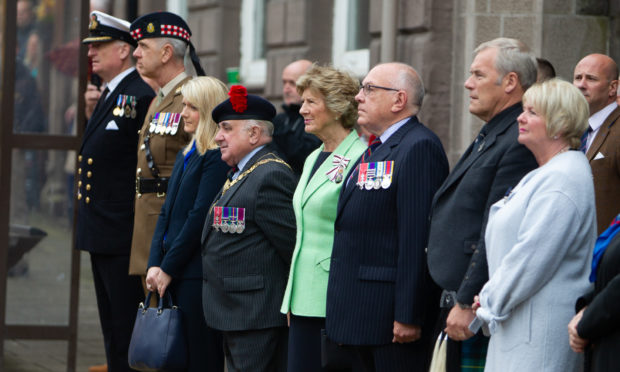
[456, 254]
[106, 171]
[164, 149]
[245, 274]
[378, 269]
[604, 157]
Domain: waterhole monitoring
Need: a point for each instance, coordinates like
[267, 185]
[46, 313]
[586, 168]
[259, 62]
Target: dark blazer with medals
[483, 175]
[190, 193]
[164, 149]
[378, 269]
[606, 170]
[245, 274]
[106, 171]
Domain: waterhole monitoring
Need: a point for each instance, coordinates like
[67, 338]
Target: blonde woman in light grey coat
[539, 240]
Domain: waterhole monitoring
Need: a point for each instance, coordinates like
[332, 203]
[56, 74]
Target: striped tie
[584, 140]
[372, 147]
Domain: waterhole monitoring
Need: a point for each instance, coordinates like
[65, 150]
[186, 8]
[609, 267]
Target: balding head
[394, 92]
[290, 74]
[596, 75]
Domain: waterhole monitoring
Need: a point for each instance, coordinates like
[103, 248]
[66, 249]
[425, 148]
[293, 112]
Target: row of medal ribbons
[125, 106]
[165, 123]
[229, 219]
[375, 175]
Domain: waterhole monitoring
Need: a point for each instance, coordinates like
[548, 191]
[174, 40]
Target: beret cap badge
[150, 28]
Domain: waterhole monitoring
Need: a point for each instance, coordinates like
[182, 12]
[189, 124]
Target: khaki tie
[160, 96]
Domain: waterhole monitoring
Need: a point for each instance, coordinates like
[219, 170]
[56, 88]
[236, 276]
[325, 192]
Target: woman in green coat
[330, 112]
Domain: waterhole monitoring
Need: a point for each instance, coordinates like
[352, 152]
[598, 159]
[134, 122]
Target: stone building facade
[437, 37]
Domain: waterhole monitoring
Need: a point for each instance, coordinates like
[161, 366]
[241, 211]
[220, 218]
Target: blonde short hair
[204, 92]
[338, 89]
[564, 108]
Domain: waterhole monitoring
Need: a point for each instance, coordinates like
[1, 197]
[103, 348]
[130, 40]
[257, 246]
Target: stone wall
[436, 37]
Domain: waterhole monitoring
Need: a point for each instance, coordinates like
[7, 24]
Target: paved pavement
[46, 285]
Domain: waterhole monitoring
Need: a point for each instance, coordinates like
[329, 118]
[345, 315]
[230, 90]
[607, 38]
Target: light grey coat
[539, 243]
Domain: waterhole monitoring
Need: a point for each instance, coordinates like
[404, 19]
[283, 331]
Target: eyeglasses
[368, 88]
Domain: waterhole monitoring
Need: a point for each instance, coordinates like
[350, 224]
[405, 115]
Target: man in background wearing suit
[248, 238]
[379, 292]
[289, 135]
[596, 75]
[105, 189]
[160, 54]
[501, 71]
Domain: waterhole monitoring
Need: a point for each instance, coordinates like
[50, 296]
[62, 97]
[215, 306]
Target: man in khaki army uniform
[163, 39]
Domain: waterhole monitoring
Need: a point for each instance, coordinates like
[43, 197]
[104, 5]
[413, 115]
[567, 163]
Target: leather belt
[149, 156]
[152, 185]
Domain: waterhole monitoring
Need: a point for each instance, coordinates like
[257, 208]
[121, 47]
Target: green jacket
[315, 202]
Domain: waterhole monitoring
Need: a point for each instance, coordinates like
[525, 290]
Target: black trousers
[260, 350]
[205, 348]
[304, 345]
[118, 295]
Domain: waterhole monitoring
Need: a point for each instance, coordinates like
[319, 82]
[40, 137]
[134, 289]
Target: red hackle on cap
[238, 98]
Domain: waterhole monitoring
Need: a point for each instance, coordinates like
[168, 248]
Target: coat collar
[497, 126]
[602, 134]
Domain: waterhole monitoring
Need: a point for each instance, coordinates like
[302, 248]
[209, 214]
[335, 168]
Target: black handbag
[158, 341]
[334, 356]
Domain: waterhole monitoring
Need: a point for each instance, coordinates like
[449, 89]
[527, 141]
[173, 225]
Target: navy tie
[584, 140]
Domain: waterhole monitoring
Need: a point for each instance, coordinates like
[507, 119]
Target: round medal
[377, 184]
[338, 178]
[116, 111]
[127, 111]
[369, 184]
[386, 182]
[133, 114]
[240, 228]
[225, 227]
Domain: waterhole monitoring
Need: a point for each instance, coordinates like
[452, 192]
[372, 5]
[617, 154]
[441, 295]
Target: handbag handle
[160, 304]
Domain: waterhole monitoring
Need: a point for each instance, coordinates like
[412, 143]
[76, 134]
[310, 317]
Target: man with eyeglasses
[379, 301]
[501, 72]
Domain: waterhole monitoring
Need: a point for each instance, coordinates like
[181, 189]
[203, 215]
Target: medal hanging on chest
[175, 124]
[117, 109]
[240, 220]
[225, 219]
[154, 121]
[217, 217]
[388, 170]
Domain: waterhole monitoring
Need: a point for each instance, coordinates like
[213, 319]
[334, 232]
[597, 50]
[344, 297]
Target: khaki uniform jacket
[164, 149]
[606, 170]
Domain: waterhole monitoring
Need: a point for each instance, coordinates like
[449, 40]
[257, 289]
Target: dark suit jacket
[456, 253]
[106, 172]
[601, 320]
[190, 193]
[606, 170]
[378, 267]
[245, 274]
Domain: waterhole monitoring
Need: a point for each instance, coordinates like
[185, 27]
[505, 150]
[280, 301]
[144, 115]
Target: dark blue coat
[106, 172]
[190, 193]
[378, 269]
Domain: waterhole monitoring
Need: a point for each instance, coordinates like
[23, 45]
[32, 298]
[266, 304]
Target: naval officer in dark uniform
[106, 182]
